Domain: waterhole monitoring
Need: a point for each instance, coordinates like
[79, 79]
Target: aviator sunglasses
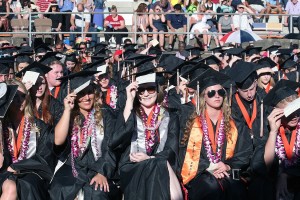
[212, 93]
[150, 90]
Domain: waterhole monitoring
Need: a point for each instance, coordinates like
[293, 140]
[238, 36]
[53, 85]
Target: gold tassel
[278, 75]
[118, 65]
[168, 85]
[297, 76]
[261, 118]
[69, 86]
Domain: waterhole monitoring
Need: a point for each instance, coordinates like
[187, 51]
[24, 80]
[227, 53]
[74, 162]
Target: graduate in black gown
[87, 167]
[248, 112]
[29, 161]
[279, 159]
[146, 135]
[208, 154]
[45, 106]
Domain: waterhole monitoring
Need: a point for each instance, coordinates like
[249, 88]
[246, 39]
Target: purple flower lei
[207, 143]
[113, 97]
[25, 142]
[280, 151]
[152, 128]
[76, 149]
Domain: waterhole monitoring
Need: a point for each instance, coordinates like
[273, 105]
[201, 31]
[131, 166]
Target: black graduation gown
[204, 185]
[66, 187]
[34, 174]
[148, 179]
[56, 109]
[272, 173]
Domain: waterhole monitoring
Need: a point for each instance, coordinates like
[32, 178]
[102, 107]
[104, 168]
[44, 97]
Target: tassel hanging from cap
[261, 119]
[177, 73]
[118, 65]
[297, 76]
[278, 75]
[198, 99]
[230, 95]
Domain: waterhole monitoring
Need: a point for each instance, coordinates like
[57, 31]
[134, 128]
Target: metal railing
[30, 32]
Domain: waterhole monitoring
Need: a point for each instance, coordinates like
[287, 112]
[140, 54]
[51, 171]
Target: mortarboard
[42, 48]
[253, 50]
[265, 66]
[211, 60]
[193, 51]
[272, 49]
[50, 57]
[7, 93]
[146, 79]
[234, 51]
[79, 80]
[243, 74]
[34, 67]
[71, 57]
[282, 89]
[289, 63]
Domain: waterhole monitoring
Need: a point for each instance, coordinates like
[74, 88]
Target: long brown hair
[226, 114]
[46, 114]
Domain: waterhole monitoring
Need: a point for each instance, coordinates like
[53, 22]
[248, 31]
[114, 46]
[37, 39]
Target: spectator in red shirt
[115, 23]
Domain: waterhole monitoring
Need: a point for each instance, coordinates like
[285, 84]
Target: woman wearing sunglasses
[81, 137]
[28, 161]
[147, 136]
[207, 153]
[278, 158]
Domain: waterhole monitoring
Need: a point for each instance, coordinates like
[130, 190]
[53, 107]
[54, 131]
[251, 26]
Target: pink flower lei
[152, 129]
[280, 151]
[113, 97]
[25, 142]
[88, 130]
[207, 143]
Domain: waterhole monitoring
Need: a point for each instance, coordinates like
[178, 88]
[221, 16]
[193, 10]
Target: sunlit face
[40, 87]
[292, 120]
[55, 73]
[70, 65]
[86, 99]
[248, 94]
[19, 100]
[147, 96]
[265, 78]
[216, 100]
[22, 66]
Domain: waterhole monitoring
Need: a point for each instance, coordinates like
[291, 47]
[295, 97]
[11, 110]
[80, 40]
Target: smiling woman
[147, 136]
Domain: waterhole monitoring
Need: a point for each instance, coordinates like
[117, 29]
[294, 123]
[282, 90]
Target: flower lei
[25, 142]
[151, 131]
[113, 97]
[89, 126]
[280, 151]
[207, 143]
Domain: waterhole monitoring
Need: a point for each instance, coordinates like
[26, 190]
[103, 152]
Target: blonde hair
[261, 85]
[202, 105]
[28, 110]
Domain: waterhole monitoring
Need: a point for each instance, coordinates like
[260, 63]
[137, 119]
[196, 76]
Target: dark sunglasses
[150, 90]
[241, 7]
[212, 93]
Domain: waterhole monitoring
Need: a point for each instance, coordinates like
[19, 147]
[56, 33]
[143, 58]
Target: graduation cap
[154, 51]
[34, 67]
[94, 66]
[253, 50]
[234, 51]
[71, 57]
[50, 57]
[193, 51]
[4, 69]
[129, 46]
[24, 59]
[146, 80]
[265, 66]
[272, 49]
[217, 50]
[197, 70]
[42, 48]
[165, 57]
[284, 51]
[7, 93]
[182, 71]
[100, 48]
[79, 80]
[282, 89]
[208, 78]
[243, 74]
[211, 60]
[289, 63]
[25, 50]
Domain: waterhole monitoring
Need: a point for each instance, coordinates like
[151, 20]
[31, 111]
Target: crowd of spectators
[209, 19]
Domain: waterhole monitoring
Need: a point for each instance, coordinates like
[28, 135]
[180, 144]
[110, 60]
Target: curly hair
[226, 114]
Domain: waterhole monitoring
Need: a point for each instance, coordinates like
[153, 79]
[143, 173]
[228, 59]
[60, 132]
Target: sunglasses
[212, 93]
[150, 90]
[241, 7]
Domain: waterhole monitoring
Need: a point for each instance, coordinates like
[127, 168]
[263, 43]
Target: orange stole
[193, 151]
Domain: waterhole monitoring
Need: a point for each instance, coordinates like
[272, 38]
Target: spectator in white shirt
[81, 21]
[241, 22]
